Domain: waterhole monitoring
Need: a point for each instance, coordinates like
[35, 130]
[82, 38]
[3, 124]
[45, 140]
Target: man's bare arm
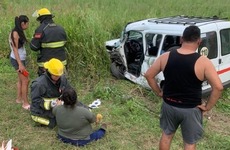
[151, 74]
[213, 79]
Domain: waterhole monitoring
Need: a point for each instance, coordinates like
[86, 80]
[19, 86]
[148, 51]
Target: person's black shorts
[14, 63]
[189, 119]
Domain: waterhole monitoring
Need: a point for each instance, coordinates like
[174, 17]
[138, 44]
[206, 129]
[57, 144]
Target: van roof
[175, 23]
[190, 20]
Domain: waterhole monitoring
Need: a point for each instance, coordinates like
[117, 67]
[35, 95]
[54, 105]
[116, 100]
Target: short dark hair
[191, 34]
[69, 96]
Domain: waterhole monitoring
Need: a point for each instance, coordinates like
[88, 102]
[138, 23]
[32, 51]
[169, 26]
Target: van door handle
[220, 61]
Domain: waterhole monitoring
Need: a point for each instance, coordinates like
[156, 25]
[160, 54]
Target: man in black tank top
[179, 71]
[184, 71]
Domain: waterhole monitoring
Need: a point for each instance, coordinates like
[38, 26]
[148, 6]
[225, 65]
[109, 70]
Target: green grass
[131, 111]
[132, 114]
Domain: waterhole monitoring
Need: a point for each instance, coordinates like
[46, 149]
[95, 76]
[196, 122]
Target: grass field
[132, 113]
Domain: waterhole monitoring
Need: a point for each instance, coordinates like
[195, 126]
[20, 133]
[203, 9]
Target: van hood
[110, 45]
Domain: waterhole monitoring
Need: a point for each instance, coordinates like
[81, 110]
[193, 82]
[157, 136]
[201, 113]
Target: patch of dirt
[218, 122]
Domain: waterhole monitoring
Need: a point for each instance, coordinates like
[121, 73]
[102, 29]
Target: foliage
[132, 113]
[90, 23]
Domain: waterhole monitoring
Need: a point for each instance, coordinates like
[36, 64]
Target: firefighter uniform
[44, 90]
[49, 38]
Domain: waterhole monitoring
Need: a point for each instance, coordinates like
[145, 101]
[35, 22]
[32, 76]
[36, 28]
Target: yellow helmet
[41, 12]
[54, 67]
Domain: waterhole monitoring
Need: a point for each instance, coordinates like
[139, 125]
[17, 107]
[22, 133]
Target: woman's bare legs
[23, 90]
[19, 94]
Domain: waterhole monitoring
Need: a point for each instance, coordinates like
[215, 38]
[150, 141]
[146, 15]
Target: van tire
[117, 70]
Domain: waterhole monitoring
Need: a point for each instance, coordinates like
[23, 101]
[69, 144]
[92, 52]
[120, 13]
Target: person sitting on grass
[74, 122]
[47, 88]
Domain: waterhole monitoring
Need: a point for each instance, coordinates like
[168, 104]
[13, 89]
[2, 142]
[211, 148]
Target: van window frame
[209, 45]
[225, 41]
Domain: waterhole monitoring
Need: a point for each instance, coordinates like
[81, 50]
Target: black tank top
[182, 88]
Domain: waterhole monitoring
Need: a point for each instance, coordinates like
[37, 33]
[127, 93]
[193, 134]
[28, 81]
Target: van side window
[152, 43]
[225, 41]
[171, 42]
[209, 40]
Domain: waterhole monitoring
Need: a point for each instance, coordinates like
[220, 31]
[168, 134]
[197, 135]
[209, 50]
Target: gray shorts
[14, 63]
[189, 119]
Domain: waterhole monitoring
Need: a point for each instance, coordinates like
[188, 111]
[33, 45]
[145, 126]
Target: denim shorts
[189, 119]
[14, 63]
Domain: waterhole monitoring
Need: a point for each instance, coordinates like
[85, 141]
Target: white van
[141, 42]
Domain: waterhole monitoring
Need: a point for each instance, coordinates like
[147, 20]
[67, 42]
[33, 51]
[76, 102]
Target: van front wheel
[117, 70]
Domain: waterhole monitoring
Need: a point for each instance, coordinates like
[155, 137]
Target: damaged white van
[141, 42]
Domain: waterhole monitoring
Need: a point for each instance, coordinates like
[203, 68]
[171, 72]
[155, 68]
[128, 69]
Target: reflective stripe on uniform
[53, 44]
[41, 64]
[40, 120]
[47, 102]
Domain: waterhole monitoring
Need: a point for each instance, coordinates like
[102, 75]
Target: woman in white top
[17, 40]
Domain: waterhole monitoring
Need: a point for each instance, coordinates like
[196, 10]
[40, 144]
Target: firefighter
[45, 89]
[49, 38]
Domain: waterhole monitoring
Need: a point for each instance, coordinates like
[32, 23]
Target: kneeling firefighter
[49, 38]
[45, 89]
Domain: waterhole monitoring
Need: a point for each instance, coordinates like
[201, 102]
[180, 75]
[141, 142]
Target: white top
[21, 51]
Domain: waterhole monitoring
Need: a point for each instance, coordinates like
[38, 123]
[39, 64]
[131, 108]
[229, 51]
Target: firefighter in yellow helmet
[47, 88]
[49, 38]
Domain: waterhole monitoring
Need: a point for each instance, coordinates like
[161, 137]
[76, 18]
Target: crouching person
[74, 122]
[47, 88]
